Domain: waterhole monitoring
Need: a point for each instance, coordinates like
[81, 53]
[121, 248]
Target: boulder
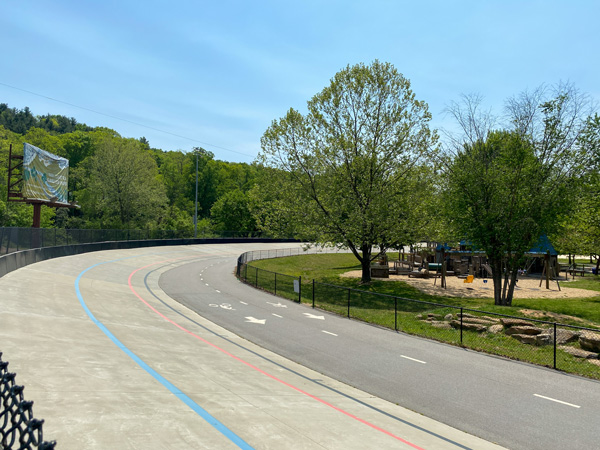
[466, 315]
[579, 353]
[543, 339]
[448, 317]
[508, 322]
[495, 329]
[419, 316]
[432, 316]
[565, 336]
[590, 341]
[441, 325]
[478, 320]
[526, 338]
[523, 330]
[468, 326]
[491, 319]
[562, 336]
[596, 362]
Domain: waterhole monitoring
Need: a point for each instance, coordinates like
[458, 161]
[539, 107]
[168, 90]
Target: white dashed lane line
[217, 291]
[557, 401]
[413, 359]
[328, 332]
[243, 303]
[277, 315]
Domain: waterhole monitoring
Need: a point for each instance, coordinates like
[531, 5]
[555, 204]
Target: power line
[124, 120]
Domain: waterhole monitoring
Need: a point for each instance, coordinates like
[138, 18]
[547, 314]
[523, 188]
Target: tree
[231, 213]
[123, 189]
[344, 166]
[507, 188]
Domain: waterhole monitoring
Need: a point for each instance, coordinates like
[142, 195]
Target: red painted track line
[256, 368]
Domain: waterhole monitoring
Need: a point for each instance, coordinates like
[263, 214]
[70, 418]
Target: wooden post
[444, 268]
[547, 266]
[37, 215]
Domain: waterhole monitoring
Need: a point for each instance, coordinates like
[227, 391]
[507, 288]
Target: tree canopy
[346, 171]
[508, 187]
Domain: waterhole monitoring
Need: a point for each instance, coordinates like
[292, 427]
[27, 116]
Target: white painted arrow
[255, 320]
[312, 316]
[278, 305]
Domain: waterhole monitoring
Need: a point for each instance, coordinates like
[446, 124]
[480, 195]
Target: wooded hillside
[125, 183]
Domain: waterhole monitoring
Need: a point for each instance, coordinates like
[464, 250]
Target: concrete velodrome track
[113, 363]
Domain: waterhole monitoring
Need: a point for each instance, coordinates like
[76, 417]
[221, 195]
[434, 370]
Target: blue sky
[215, 74]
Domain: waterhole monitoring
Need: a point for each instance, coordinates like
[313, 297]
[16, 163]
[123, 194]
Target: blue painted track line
[234, 438]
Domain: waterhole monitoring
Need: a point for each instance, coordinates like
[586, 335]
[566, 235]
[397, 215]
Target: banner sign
[45, 176]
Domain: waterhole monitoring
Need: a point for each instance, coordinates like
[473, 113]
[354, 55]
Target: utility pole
[196, 210]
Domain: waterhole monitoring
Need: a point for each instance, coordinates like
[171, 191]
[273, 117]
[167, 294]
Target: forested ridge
[125, 183]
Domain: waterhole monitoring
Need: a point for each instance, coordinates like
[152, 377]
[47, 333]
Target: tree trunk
[511, 288]
[497, 279]
[366, 264]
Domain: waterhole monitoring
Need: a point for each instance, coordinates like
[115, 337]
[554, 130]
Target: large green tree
[507, 188]
[231, 213]
[123, 189]
[346, 167]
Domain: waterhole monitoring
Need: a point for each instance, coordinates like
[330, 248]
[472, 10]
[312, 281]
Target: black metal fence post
[396, 313]
[275, 283]
[461, 326]
[555, 345]
[256, 276]
[300, 289]
[348, 302]
[313, 294]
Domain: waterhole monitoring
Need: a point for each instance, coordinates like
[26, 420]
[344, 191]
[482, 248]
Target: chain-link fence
[19, 430]
[14, 239]
[565, 347]
[276, 283]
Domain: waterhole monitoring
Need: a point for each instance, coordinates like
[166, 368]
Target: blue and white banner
[45, 176]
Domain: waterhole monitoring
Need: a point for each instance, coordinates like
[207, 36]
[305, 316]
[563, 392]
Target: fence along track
[552, 344]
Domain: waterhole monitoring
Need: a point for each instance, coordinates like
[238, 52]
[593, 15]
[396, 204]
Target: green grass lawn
[327, 268]
[578, 261]
[398, 310]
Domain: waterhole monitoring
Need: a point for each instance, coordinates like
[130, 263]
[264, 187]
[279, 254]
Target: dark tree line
[20, 121]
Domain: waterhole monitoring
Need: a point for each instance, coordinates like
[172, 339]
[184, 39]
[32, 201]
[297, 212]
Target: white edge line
[328, 332]
[413, 359]
[557, 401]
[277, 315]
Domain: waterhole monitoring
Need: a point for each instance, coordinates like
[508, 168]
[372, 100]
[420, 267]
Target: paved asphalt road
[112, 362]
[516, 405]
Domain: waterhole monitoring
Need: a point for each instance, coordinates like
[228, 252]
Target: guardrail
[20, 247]
[560, 346]
[14, 239]
[19, 430]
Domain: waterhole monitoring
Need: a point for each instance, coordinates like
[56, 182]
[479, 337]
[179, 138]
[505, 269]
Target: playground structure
[442, 261]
